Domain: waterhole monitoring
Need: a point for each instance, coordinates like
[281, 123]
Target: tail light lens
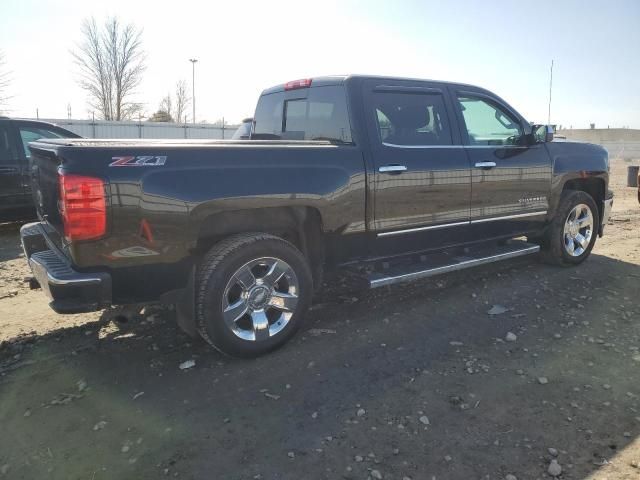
[83, 207]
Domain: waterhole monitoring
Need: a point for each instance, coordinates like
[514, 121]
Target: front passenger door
[511, 178]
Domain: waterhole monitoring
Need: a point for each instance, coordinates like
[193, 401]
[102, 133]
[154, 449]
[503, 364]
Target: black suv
[15, 135]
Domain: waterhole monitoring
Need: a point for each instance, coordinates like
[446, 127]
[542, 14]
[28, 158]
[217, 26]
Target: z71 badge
[139, 161]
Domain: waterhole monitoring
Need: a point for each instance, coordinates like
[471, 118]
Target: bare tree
[166, 106]
[111, 63]
[160, 116]
[170, 110]
[182, 100]
[5, 81]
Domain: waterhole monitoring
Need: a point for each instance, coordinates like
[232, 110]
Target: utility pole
[550, 86]
[193, 86]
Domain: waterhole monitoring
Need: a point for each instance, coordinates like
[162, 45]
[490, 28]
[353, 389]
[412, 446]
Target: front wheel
[573, 232]
[252, 294]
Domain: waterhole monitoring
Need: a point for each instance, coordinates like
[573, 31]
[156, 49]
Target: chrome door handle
[392, 169]
[485, 164]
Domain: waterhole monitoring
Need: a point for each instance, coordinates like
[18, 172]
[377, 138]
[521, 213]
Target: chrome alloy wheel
[260, 298]
[578, 229]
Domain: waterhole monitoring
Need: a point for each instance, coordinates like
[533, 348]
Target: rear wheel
[252, 295]
[573, 232]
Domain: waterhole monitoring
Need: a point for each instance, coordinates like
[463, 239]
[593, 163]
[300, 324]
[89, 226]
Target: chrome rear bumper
[69, 290]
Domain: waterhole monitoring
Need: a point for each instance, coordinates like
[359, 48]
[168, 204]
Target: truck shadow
[125, 402]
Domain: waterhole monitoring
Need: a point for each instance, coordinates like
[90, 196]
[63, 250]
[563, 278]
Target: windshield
[243, 132]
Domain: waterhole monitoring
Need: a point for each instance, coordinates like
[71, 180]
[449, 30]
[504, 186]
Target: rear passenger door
[511, 178]
[422, 183]
[12, 192]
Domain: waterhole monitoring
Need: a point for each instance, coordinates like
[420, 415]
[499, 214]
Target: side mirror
[542, 133]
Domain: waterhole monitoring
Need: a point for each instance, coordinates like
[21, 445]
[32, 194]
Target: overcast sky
[245, 46]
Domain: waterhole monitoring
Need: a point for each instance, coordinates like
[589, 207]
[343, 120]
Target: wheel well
[592, 186]
[302, 226]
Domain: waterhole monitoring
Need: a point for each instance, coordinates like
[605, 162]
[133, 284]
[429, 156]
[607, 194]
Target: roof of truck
[322, 81]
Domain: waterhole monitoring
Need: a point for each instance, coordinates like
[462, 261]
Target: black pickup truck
[392, 179]
[15, 135]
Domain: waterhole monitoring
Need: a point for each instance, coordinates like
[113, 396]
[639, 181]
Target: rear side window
[268, 117]
[322, 115]
[410, 119]
[31, 134]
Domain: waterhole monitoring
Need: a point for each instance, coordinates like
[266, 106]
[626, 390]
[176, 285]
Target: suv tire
[572, 234]
[252, 293]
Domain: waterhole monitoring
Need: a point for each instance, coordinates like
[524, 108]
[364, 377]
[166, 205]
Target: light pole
[193, 86]
[550, 86]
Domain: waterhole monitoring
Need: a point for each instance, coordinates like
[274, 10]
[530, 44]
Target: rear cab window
[316, 113]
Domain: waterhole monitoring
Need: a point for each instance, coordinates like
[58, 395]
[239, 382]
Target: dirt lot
[414, 382]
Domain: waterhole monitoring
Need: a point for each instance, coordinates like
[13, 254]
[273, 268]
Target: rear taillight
[295, 84]
[83, 207]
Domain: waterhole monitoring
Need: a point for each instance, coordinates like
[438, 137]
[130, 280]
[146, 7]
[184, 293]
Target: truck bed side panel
[156, 211]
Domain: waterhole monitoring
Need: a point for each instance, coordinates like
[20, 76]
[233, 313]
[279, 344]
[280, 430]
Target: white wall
[108, 129]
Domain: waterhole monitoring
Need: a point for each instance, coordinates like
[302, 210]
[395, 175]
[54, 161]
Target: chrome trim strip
[380, 282]
[387, 144]
[485, 164]
[420, 146]
[509, 217]
[392, 168]
[420, 229]
[457, 224]
[495, 146]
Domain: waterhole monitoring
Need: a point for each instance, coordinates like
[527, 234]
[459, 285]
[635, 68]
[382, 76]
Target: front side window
[322, 115]
[31, 134]
[409, 119]
[488, 124]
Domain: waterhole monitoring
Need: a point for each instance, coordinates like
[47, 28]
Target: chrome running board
[439, 263]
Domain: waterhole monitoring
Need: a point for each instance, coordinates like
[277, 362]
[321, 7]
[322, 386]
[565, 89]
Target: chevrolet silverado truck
[390, 179]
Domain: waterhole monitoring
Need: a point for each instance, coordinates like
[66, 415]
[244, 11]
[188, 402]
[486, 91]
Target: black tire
[553, 242]
[218, 268]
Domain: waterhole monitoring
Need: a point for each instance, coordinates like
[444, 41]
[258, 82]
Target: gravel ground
[416, 381]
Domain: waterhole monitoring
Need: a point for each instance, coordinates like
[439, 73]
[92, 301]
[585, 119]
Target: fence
[623, 150]
[621, 143]
[110, 129]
